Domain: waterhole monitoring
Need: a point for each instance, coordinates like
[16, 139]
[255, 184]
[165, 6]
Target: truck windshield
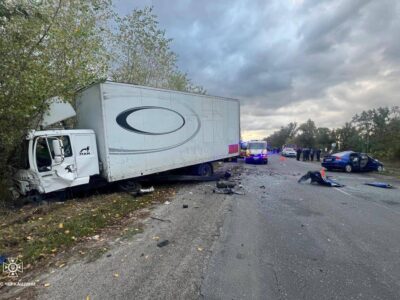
[256, 146]
[43, 158]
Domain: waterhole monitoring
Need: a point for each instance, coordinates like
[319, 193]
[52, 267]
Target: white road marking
[372, 202]
[338, 189]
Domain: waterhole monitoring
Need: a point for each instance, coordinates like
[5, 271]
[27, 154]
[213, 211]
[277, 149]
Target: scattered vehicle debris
[227, 191]
[262, 187]
[227, 175]
[185, 206]
[162, 243]
[225, 184]
[316, 177]
[142, 191]
[380, 184]
[162, 220]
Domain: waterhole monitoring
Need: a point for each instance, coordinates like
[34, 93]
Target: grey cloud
[321, 59]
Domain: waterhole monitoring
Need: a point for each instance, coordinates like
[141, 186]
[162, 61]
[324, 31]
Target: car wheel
[348, 168]
[379, 169]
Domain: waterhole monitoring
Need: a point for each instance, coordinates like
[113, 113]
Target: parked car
[256, 152]
[289, 152]
[350, 161]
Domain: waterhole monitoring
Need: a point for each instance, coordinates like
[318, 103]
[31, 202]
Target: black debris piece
[227, 191]
[225, 184]
[227, 174]
[162, 220]
[316, 177]
[262, 187]
[108, 255]
[185, 206]
[162, 243]
[380, 184]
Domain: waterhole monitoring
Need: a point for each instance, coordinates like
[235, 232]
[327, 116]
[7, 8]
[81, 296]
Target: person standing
[298, 153]
[312, 154]
[304, 154]
[318, 154]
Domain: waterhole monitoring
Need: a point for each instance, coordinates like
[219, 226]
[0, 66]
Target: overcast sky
[287, 60]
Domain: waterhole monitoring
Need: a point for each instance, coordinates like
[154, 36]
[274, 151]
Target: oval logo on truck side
[166, 120]
[160, 125]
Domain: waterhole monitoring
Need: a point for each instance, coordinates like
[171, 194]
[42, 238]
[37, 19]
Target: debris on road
[162, 243]
[380, 185]
[142, 191]
[167, 202]
[227, 174]
[316, 177]
[146, 191]
[262, 187]
[225, 184]
[185, 206]
[162, 220]
[227, 191]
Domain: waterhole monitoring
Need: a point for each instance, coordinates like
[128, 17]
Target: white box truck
[127, 131]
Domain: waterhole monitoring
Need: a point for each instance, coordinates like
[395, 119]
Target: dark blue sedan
[350, 161]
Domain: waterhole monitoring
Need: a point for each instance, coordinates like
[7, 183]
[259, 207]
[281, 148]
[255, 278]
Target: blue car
[350, 161]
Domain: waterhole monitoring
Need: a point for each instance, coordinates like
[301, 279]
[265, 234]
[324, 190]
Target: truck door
[85, 148]
[54, 176]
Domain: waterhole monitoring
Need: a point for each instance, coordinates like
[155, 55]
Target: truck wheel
[205, 170]
[348, 168]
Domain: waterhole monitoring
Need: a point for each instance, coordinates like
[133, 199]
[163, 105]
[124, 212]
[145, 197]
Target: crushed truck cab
[49, 167]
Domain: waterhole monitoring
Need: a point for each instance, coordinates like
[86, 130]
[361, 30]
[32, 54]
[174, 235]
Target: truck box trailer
[126, 131]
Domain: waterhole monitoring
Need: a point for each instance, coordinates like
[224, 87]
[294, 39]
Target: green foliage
[53, 48]
[142, 54]
[376, 131]
[282, 136]
[44, 53]
[306, 135]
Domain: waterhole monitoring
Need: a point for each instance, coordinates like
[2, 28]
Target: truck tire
[348, 168]
[205, 169]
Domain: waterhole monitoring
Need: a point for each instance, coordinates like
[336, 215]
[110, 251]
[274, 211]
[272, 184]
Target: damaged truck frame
[124, 132]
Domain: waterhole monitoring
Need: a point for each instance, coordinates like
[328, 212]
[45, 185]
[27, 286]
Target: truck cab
[53, 160]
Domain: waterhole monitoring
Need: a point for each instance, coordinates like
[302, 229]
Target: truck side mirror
[58, 151]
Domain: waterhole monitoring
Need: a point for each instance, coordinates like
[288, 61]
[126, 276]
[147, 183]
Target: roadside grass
[392, 168]
[37, 233]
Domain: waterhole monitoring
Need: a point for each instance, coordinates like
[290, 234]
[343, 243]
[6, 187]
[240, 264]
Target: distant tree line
[53, 48]
[375, 131]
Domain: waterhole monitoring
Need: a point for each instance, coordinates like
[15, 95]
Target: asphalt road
[300, 241]
[282, 240]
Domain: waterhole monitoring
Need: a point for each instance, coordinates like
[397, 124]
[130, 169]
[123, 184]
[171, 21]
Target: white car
[289, 152]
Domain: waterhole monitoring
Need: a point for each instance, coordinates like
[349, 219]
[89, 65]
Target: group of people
[308, 154]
